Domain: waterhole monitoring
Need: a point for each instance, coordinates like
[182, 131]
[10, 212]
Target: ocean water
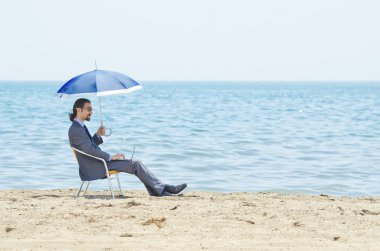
[286, 137]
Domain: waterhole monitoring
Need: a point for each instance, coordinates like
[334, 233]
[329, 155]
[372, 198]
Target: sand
[56, 219]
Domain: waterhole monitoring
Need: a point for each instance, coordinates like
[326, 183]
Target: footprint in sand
[159, 222]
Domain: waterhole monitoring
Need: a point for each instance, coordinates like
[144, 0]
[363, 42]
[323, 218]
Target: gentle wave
[285, 137]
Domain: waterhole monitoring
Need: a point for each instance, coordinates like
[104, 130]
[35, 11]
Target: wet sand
[56, 219]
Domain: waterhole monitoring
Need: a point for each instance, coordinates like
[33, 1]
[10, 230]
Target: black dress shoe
[175, 189]
[166, 194]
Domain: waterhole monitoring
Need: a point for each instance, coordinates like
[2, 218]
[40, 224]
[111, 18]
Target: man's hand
[118, 156]
[101, 131]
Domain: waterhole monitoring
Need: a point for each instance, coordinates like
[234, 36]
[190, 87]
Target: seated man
[91, 169]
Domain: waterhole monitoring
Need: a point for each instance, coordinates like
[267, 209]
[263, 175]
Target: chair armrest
[89, 155]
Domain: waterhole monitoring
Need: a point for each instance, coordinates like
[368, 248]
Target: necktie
[88, 133]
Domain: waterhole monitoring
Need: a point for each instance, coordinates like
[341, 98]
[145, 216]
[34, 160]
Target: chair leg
[85, 191]
[118, 182]
[109, 184]
[80, 189]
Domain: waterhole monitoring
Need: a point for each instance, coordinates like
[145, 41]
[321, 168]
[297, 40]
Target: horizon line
[184, 81]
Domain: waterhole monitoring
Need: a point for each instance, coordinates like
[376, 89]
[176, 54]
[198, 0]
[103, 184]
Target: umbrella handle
[109, 132]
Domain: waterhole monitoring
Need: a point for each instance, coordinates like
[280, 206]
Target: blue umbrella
[99, 83]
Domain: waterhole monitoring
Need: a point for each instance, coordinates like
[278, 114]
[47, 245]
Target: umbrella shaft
[100, 110]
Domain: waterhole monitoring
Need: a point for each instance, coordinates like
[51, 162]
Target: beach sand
[56, 219]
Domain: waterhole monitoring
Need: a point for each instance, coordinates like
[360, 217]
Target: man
[92, 169]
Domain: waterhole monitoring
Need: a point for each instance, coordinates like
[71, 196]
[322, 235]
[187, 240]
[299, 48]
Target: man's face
[85, 112]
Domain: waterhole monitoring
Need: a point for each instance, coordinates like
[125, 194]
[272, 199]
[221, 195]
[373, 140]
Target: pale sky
[158, 40]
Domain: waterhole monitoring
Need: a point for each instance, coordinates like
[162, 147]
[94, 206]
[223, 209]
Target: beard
[88, 118]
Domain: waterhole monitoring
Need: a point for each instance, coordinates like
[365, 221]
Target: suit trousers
[154, 186]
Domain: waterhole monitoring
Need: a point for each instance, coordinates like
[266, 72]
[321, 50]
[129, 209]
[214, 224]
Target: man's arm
[79, 139]
[97, 140]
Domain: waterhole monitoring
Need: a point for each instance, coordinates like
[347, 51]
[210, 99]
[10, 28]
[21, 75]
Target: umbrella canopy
[99, 82]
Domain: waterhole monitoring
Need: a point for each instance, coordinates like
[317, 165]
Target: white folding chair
[108, 174]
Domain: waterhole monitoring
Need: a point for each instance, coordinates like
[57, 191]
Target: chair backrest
[75, 154]
[108, 173]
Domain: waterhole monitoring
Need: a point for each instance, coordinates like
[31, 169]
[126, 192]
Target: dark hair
[79, 103]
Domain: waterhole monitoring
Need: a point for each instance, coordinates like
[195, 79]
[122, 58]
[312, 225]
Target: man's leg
[154, 186]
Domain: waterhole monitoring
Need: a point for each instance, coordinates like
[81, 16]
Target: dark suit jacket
[89, 168]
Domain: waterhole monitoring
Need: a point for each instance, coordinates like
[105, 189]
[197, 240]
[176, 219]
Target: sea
[286, 137]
